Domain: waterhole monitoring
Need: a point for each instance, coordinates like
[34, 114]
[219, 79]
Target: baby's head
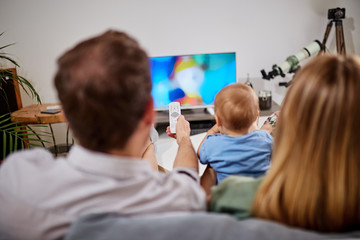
[236, 107]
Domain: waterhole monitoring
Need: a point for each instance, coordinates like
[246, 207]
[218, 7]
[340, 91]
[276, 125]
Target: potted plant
[13, 135]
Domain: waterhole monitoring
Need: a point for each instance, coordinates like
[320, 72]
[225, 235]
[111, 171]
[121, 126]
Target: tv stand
[200, 119]
[199, 114]
[211, 111]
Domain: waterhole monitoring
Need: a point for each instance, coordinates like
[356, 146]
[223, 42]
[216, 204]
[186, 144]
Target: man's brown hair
[237, 106]
[104, 86]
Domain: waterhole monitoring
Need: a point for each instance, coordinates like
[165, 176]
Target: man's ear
[149, 115]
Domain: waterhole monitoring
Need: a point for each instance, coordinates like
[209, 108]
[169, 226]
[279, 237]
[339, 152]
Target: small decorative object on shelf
[265, 99]
[248, 81]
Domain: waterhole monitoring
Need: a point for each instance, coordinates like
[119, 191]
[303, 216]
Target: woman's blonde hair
[314, 180]
[237, 106]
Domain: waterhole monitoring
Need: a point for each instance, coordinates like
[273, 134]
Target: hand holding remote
[174, 113]
[182, 129]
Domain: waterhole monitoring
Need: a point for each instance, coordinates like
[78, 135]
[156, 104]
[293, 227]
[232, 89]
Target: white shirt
[40, 196]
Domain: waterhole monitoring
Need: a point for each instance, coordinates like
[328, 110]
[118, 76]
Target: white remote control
[174, 113]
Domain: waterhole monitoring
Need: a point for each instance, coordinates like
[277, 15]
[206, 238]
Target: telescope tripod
[340, 42]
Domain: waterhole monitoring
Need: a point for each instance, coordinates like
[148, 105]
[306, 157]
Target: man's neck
[136, 143]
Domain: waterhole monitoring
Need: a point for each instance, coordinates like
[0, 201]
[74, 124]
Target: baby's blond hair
[237, 106]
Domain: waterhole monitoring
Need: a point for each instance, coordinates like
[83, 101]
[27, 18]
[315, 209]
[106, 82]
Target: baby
[235, 145]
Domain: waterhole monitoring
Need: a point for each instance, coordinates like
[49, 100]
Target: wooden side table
[32, 115]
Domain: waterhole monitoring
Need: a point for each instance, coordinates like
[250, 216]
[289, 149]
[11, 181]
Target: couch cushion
[199, 226]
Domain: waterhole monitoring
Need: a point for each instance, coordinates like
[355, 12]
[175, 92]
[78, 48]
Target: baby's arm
[267, 127]
[207, 180]
[270, 123]
[212, 131]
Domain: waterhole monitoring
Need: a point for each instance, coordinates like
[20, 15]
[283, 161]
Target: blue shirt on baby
[247, 155]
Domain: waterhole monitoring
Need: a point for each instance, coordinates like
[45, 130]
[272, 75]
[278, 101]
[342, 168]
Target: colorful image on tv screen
[191, 80]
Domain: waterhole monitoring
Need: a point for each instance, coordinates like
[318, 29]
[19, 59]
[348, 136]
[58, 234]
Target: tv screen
[192, 80]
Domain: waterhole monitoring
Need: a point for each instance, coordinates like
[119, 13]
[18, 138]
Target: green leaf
[11, 143]
[4, 145]
[9, 59]
[15, 136]
[9, 126]
[23, 82]
[26, 84]
[8, 45]
[16, 142]
[6, 117]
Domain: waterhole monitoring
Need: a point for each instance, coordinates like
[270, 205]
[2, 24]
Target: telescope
[290, 65]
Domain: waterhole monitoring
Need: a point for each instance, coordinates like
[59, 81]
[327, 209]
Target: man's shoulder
[35, 154]
[24, 159]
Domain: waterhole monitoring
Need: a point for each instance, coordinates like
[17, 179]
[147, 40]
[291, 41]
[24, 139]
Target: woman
[314, 179]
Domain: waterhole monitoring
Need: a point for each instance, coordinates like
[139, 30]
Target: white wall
[262, 32]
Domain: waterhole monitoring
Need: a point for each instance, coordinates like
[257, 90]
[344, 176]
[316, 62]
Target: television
[192, 80]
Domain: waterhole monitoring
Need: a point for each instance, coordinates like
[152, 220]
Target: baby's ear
[218, 120]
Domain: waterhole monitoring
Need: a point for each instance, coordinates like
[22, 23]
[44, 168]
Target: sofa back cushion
[181, 226]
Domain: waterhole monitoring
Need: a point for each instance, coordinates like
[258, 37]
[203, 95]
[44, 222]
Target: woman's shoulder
[235, 195]
[242, 180]
[233, 187]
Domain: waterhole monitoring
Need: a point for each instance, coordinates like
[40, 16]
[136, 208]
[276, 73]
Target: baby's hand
[214, 130]
[270, 123]
[267, 127]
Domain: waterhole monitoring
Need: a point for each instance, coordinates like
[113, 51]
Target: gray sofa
[199, 226]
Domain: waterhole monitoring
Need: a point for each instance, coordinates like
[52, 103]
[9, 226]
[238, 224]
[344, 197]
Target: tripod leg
[326, 35]
[340, 41]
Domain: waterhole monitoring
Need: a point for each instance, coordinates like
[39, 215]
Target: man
[104, 86]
